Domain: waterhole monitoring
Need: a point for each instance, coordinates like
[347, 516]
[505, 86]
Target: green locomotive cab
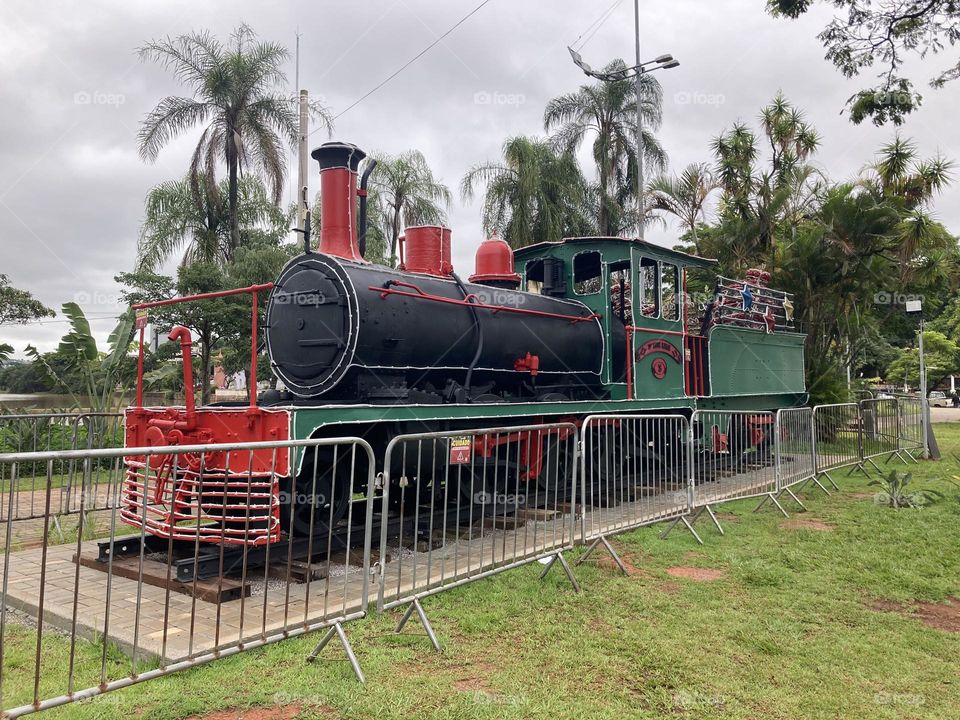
[663, 342]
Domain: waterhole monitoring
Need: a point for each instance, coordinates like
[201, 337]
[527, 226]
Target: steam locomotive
[554, 331]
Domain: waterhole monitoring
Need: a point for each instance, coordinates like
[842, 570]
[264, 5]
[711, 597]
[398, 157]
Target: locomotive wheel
[320, 494]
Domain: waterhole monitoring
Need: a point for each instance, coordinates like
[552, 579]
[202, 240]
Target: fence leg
[830, 480]
[795, 498]
[686, 523]
[613, 553]
[820, 485]
[713, 516]
[566, 568]
[424, 620]
[876, 467]
[772, 498]
[859, 466]
[337, 629]
[55, 523]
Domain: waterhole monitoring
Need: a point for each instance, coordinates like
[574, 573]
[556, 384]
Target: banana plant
[94, 384]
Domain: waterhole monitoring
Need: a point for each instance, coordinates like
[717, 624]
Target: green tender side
[752, 362]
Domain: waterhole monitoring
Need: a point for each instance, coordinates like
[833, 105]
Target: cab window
[534, 276]
[649, 288]
[587, 278]
[669, 284]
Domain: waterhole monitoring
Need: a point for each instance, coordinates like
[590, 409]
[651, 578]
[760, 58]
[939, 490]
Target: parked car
[938, 399]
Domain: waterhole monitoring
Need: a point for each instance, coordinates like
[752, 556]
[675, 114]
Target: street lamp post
[915, 307]
[662, 62]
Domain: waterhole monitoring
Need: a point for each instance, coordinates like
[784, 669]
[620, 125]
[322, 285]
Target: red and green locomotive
[552, 332]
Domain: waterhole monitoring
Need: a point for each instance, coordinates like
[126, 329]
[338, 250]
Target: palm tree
[533, 195]
[685, 196]
[408, 194]
[248, 123]
[174, 221]
[608, 112]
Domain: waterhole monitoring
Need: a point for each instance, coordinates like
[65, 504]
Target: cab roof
[529, 251]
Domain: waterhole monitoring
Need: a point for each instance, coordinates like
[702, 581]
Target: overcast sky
[73, 93]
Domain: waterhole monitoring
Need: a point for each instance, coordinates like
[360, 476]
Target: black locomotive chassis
[334, 327]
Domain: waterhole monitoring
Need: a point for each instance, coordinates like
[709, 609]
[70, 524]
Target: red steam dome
[495, 264]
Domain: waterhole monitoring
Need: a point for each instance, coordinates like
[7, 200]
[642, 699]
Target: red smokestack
[338, 199]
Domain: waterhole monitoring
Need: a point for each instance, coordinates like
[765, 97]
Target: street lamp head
[578, 61]
[671, 64]
[663, 59]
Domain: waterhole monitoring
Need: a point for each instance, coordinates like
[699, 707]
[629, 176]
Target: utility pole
[924, 405]
[915, 308]
[636, 19]
[663, 62]
[303, 201]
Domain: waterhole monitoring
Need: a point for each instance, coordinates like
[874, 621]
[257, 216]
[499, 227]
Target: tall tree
[18, 307]
[884, 32]
[408, 194]
[758, 190]
[685, 197]
[607, 112]
[175, 221]
[247, 121]
[533, 194]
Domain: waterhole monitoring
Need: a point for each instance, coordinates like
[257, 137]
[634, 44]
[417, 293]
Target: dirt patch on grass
[607, 562]
[939, 616]
[806, 524]
[668, 586]
[727, 517]
[277, 712]
[696, 574]
[472, 677]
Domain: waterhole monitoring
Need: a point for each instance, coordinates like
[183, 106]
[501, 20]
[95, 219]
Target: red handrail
[180, 330]
[421, 295]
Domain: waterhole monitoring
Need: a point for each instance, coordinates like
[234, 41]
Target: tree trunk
[394, 236]
[204, 368]
[233, 163]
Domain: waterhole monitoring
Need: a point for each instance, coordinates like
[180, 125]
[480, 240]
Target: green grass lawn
[790, 629]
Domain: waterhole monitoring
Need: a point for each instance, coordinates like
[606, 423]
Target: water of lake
[12, 402]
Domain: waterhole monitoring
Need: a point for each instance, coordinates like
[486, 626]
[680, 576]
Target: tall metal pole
[302, 198]
[636, 18]
[924, 405]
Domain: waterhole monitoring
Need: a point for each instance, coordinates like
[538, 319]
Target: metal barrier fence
[794, 450]
[911, 426]
[880, 428]
[465, 504]
[838, 440]
[169, 604]
[51, 432]
[731, 458]
[212, 549]
[634, 472]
